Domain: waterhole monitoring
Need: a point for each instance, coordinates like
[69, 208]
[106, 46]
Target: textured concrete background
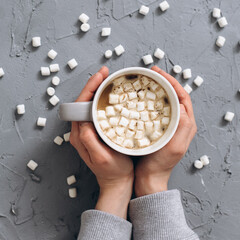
[187, 33]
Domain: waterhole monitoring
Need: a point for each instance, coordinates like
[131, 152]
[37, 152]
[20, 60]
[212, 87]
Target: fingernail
[101, 68]
[182, 109]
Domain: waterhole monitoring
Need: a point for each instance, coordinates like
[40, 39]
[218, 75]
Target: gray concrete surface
[187, 33]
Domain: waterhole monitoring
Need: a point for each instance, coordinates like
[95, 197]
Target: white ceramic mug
[87, 111]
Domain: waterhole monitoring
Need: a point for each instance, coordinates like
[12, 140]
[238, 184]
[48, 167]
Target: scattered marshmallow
[222, 22]
[119, 140]
[101, 114]
[45, 71]
[177, 69]
[220, 41]
[188, 88]
[114, 121]
[52, 54]
[119, 50]
[72, 63]
[85, 27]
[131, 105]
[216, 13]
[84, 18]
[125, 112]
[144, 10]
[106, 32]
[36, 41]
[159, 53]
[110, 112]
[139, 135]
[155, 135]
[205, 160]
[141, 94]
[144, 116]
[153, 115]
[58, 140]
[150, 95]
[164, 5]
[55, 81]
[147, 59]
[132, 124]
[165, 120]
[145, 81]
[32, 165]
[129, 133]
[229, 116]
[113, 98]
[1, 72]
[153, 86]
[104, 124]
[166, 111]
[140, 106]
[54, 67]
[21, 109]
[54, 100]
[108, 54]
[128, 143]
[144, 142]
[134, 115]
[72, 192]
[41, 122]
[123, 122]
[149, 127]
[71, 180]
[198, 81]
[123, 98]
[132, 95]
[118, 107]
[156, 125]
[50, 91]
[187, 73]
[120, 131]
[128, 87]
[150, 105]
[66, 136]
[198, 164]
[111, 133]
[160, 93]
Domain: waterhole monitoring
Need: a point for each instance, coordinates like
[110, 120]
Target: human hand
[113, 170]
[153, 171]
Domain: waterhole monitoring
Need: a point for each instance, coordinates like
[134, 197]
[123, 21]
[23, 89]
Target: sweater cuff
[100, 225]
[160, 216]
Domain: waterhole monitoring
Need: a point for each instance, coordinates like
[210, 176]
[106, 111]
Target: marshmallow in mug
[134, 111]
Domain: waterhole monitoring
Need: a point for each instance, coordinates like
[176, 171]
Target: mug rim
[139, 151]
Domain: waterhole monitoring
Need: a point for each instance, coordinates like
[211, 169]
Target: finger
[184, 98]
[92, 85]
[91, 142]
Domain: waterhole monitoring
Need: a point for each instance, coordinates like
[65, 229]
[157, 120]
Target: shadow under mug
[87, 111]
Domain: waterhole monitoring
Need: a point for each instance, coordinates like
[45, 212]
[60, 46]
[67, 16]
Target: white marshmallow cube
[119, 140]
[106, 32]
[128, 87]
[165, 120]
[198, 164]
[125, 112]
[71, 180]
[140, 125]
[52, 54]
[84, 18]
[229, 116]
[85, 27]
[50, 91]
[32, 165]
[140, 106]
[188, 88]
[137, 85]
[141, 94]
[113, 98]
[1, 72]
[159, 105]
[216, 13]
[131, 105]
[54, 67]
[144, 10]
[132, 124]
[160, 93]
[72, 192]
[164, 5]
[118, 107]
[114, 121]
[132, 95]
[54, 100]
[108, 54]
[198, 81]
[205, 160]
[150, 95]
[144, 142]
[155, 135]
[150, 105]
[222, 22]
[110, 112]
[128, 143]
[134, 115]
[36, 41]
[58, 140]
[153, 115]
[101, 114]
[119, 50]
[177, 69]
[55, 81]
[104, 124]
[166, 111]
[129, 134]
[72, 63]
[21, 109]
[118, 90]
[123, 122]
[159, 53]
[119, 81]
[41, 122]
[144, 116]
[145, 81]
[156, 125]
[111, 133]
[187, 73]
[123, 98]
[120, 131]
[153, 86]
[45, 71]
[149, 127]
[139, 135]
[147, 59]
[66, 136]
[220, 41]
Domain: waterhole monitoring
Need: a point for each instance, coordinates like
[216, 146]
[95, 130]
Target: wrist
[150, 184]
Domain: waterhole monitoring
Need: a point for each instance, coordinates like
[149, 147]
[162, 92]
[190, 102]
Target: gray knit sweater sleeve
[97, 225]
[160, 216]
